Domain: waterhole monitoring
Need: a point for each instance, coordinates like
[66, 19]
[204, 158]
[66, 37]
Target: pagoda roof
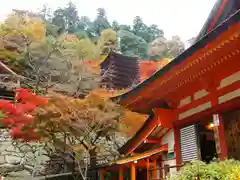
[116, 55]
[137, 99]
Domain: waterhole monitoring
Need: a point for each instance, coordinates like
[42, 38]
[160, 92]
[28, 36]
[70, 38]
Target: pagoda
[119, 71]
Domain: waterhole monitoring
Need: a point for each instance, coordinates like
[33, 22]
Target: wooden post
[222, 139]
[133, 171]
[102, 172]
[161, 168]
[177, 147]
[121, 173]
[166, 170]
[154, 169]
[147, 169]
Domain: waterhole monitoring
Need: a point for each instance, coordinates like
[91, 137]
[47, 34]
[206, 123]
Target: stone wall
[23, 160]
[19, 161]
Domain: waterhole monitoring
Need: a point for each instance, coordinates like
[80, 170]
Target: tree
[140, 29]
[86, 27]
[88, 50]
[47, 61]
[115, 26]
[52, 30]
[61, 122]
[58, 19]
[162, 48]
[45, 13]
[66, 18]
[175, 46]
[15, 32]
[154, 32]
[132, 45]
[101, 21]
[125, 27]
[108, 41]
[158, 48]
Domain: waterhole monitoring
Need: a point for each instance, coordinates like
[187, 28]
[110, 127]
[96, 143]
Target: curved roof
[124, 98]
[221, 11]
[133, 95]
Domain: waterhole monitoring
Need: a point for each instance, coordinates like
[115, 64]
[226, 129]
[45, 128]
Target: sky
[184, 18]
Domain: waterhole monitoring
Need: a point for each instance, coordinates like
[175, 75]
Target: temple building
[119, 71]
[193, 104]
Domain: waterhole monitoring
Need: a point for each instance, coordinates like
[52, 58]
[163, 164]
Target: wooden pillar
[166, 170]
[177, 147]
[161, 168]
[154, 175]
[102, 172]
[147, 169]
[121, 173]
[222, 139]
[133, 171]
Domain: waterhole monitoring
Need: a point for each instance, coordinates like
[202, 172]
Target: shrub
[223, 170]
[234, 174]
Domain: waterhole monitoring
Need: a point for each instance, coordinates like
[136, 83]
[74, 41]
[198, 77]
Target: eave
[221, 11]
[151, 130]
[140, 99]
[140, 156]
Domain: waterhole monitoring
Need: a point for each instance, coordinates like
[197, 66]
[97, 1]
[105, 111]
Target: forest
[136, 39]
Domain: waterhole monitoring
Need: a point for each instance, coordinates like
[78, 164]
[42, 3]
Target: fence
[63, 167]
[68, 176]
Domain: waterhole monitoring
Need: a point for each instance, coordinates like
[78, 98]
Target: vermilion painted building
[193, 103]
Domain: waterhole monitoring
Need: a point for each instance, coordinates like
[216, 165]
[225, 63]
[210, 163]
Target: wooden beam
[224, 107]
[165, 117]
[152, 141]
[144, 155]
[144, 134]
[210, 97]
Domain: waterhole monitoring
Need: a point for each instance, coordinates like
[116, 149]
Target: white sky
[176, 17]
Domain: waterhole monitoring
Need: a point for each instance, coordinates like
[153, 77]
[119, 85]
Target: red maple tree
[20, 114]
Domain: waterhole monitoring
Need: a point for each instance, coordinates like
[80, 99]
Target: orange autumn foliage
[93, 65]
[133, 121]
[148, 68]
[70, 37]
